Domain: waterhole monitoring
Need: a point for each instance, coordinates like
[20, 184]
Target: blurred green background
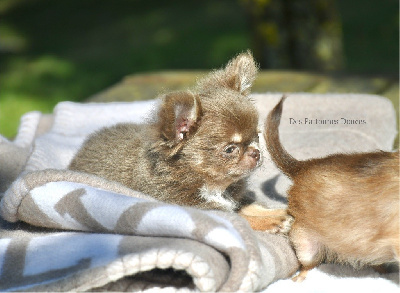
[52, 51]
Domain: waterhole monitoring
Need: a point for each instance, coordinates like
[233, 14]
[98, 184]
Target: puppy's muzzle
[254, 153]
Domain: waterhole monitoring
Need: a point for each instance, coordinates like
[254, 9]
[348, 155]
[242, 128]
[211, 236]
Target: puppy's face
[214, 130]
[225, 147]
[225, 155]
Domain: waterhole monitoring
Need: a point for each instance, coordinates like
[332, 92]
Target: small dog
[197, 151]
[345, 206]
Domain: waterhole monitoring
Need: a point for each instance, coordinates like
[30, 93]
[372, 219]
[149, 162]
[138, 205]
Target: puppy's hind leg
[308, 250]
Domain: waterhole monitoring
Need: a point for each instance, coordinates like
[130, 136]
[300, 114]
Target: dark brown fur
[345, 206]
[198, 150]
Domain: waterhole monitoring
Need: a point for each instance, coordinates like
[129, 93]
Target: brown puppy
[197, 151]
[345, 206]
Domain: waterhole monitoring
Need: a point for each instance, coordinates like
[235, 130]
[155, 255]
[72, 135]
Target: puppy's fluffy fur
[197, 151]
[345, 206]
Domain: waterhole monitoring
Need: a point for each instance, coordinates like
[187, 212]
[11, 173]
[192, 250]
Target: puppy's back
[351, 203]
[101, 153]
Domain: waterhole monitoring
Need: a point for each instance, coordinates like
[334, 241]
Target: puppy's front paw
[267, 220]
[285, 225]
[301, 276]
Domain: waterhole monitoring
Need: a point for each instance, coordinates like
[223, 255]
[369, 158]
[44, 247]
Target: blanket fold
[62, 230]
[215, 250]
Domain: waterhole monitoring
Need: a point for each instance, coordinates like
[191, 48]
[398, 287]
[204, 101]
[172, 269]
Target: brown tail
[282, 159]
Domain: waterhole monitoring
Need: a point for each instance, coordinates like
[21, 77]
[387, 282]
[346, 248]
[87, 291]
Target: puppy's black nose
[254, 153]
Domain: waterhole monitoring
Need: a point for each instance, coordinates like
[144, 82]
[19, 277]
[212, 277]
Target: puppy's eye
[231, 149]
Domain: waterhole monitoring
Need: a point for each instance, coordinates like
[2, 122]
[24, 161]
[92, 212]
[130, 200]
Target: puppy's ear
[239, 75]
[241, 72]
[179, 116]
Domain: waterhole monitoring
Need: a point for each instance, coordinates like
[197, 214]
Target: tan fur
[345, 206]
[190, 153]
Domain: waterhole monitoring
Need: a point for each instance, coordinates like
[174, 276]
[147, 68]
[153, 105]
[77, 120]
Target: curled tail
[282, 159]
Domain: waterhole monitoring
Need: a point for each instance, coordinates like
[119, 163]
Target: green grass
[69, 50]
[371, 35]
[52, 51]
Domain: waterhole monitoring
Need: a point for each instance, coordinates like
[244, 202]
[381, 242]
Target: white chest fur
[218, 197]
